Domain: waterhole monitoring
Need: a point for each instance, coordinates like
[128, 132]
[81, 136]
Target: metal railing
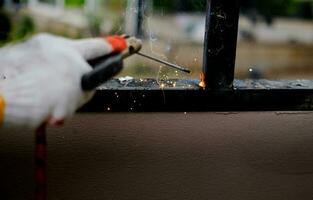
[221, 93]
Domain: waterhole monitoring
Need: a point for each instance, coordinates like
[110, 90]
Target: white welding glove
[40, 79]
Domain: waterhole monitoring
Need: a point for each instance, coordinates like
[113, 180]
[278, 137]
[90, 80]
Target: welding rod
[165, 63]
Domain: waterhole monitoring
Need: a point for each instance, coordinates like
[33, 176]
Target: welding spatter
[107, 66]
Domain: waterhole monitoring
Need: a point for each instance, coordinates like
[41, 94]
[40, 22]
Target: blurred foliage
[15, 27]
[180, 5]
[48, 1]
[74, 3]
[23, 28]
[269, 8]
[112, 4]
[116, 4]
[274, 7]
[5, 26]
[94, 23]
[265, 8]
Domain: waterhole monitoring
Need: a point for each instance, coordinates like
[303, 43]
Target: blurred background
[275, 36]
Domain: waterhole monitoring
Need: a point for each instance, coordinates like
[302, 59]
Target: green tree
[75, 3]
[263, 7]
[180, 5]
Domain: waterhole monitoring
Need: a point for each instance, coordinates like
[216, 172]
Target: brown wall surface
[167, 156]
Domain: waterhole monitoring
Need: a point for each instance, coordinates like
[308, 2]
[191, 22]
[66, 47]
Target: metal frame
[258, 95]
[221, 92]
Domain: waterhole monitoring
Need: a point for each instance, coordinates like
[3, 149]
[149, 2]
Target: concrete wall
[167, 156]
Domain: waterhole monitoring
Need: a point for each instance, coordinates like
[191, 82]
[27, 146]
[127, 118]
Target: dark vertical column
[220, 43]
[141, 7]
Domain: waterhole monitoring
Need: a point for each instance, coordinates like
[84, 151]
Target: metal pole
[220, 43]
[134, 17]
[40, 163]
[141, 8]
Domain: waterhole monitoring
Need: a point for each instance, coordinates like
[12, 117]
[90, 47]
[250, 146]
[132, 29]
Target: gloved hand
[40, 79]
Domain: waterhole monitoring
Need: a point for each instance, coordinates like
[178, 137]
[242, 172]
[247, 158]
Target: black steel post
[141, 7]
[220, 43]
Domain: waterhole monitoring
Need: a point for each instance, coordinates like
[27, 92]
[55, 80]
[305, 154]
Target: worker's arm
[40, 79]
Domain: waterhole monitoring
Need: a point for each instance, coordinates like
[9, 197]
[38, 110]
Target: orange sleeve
[2, 109]
[118, 43]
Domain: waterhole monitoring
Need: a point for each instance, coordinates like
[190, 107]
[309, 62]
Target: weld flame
[202, 81]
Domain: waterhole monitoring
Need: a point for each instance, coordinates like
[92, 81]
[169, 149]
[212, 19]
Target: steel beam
[220, 43]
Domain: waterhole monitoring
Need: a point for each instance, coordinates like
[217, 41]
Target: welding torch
[105, 67]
